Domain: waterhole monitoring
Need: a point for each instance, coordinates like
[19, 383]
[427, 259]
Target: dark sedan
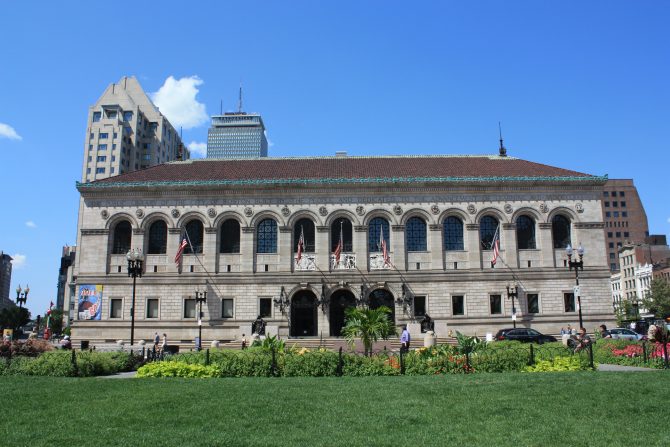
[524, 334]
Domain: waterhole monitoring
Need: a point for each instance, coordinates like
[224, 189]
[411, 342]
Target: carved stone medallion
[508, 208]
[435, 209]
[323, 211]
[544, 208]
[175, 213]
[397, 209]
[285, 211]
[579, 207]
[248, 211]
[104, 214]
[139, 213]
[360, 210]
[211, 212]
[472, 209]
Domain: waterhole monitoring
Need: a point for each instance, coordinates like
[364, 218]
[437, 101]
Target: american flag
[382, 244]
[338, 249]
[180, 250]
[495, 246]
[301, 245]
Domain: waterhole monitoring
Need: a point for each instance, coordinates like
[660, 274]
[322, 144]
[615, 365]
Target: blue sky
[580, 85]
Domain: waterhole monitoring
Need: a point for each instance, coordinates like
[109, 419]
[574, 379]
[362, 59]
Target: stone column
[285, 261]
[510, 254]
[173, 241]
[398, 255]
[474, 252]
[322, 247]
[360, 246]
[138, 240]
[210, 250]
[247, 255]
[546, 245]
[436, 247]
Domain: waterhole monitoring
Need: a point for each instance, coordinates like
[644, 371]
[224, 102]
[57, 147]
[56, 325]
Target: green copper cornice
[334, 181]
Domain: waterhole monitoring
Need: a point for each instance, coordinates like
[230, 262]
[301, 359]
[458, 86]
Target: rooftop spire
[239, 104]
[503, 151]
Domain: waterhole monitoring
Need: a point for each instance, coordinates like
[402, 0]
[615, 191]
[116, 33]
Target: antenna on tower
[222, 107]
[239, 104]
[503, 151]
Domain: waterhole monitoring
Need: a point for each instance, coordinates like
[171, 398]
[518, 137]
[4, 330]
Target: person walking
[604, 333]
[157, 340]
[164, 345]
[404, 340]
[244, 342]
[583, 340]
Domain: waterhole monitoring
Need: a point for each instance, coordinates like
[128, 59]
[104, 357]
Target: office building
[237, 135]
[5, 279]
[126, 132]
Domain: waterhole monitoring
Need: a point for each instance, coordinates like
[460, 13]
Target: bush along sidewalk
[68, 364]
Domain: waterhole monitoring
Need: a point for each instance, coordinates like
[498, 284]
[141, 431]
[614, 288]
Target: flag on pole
[495, 246]
[301, 245]
[382, 244]
[180, 250]
[338, 249]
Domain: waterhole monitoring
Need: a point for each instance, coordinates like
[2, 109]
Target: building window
[624, 213]
[189, 308]
[607, 204]
[376, 228]
[613, 193]
[121, 238]
[610, 234]
[112, 170]
[487, 229]
[194, 230]
[102, 147]
[110, 113]
[623, 204]
[99, 170]
[606, 193]
[495, 302]
[533, 303]
[102, 158]
[618, 234]
[265, 307]
[230, 237]
[90, 147]
[267, 236]
[157, 238]
[458, 304]
[608, 214]
[560, 231]
[525, 233]
[227, 308]
[127, 116]
[626, 234]
[611, 245]
[306, 228]
[611, 255]
[113, 147]
[90, 158]
[613, 267]
[569, 302]
[96, 116]
[341, 229]
[415, 233]
[419, 306]
[152, 308]
[115, 135]
[616, 214]
[103, 136]
[622, 194]
[116, 308]
[88, 170]
[453, 233]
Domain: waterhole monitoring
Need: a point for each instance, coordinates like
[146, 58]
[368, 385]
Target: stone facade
[248, 277]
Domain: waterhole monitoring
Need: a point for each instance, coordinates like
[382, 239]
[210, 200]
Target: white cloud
[176, 100]
[18, 261]
[668, 219]
[199, 149]
[8, 131]
[31, 224]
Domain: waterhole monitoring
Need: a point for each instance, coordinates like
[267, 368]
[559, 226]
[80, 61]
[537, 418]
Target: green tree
[658, 299]
[13, 318]
[625, 312]
[56, 322]
[369, 325]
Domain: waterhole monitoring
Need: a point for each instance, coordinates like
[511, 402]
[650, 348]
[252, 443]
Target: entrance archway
[382, 297]
[340, 301]
[303, 314]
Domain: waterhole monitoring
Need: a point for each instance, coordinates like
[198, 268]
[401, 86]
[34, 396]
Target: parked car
[626, 334]
[523, 334]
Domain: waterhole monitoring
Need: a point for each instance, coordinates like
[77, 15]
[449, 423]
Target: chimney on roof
[340, 154]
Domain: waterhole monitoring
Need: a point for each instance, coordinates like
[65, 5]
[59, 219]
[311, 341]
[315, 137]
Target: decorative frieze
[93, 231]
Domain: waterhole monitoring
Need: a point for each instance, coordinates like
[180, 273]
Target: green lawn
[515, 409]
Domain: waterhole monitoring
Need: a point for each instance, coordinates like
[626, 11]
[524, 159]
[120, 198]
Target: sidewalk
[123, 375]
[605, 367]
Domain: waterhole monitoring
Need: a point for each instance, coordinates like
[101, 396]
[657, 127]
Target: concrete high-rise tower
[5, 279]
[127, 132]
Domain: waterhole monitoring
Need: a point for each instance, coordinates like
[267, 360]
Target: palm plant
[369, 325]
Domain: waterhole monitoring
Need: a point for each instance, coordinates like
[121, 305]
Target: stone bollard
[215, 344]
[429, 339]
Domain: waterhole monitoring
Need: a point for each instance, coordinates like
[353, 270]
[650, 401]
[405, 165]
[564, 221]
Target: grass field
[515, 409]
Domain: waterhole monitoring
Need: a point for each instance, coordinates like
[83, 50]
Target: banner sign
[90, 301]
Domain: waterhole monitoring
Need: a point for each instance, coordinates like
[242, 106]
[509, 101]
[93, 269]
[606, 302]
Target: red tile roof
[343, 170]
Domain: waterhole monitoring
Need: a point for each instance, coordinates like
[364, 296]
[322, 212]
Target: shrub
[177, 369]
[571, 363]
[376, 365]
[59, 364]
[305, 363]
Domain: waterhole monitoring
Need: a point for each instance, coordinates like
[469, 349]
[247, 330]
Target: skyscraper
[127, 132]
[237, 135]
[5, 279]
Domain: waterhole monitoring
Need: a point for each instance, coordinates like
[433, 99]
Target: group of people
[582, 339]
[157, 342]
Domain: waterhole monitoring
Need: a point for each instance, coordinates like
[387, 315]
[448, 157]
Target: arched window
[560, 231]
[487, 230]
[230, 237]
[341, 228]
[525, 233]
[122, 235]
[157, 238]
[453, 233]
[415, 234]
[376, 228]
[306, 227]
[267, 236]
[194, 230]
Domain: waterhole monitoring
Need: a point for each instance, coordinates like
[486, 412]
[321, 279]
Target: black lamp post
[135, 260]
[576, 266]
[22, 295]
[200, 297]
[513, 292]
